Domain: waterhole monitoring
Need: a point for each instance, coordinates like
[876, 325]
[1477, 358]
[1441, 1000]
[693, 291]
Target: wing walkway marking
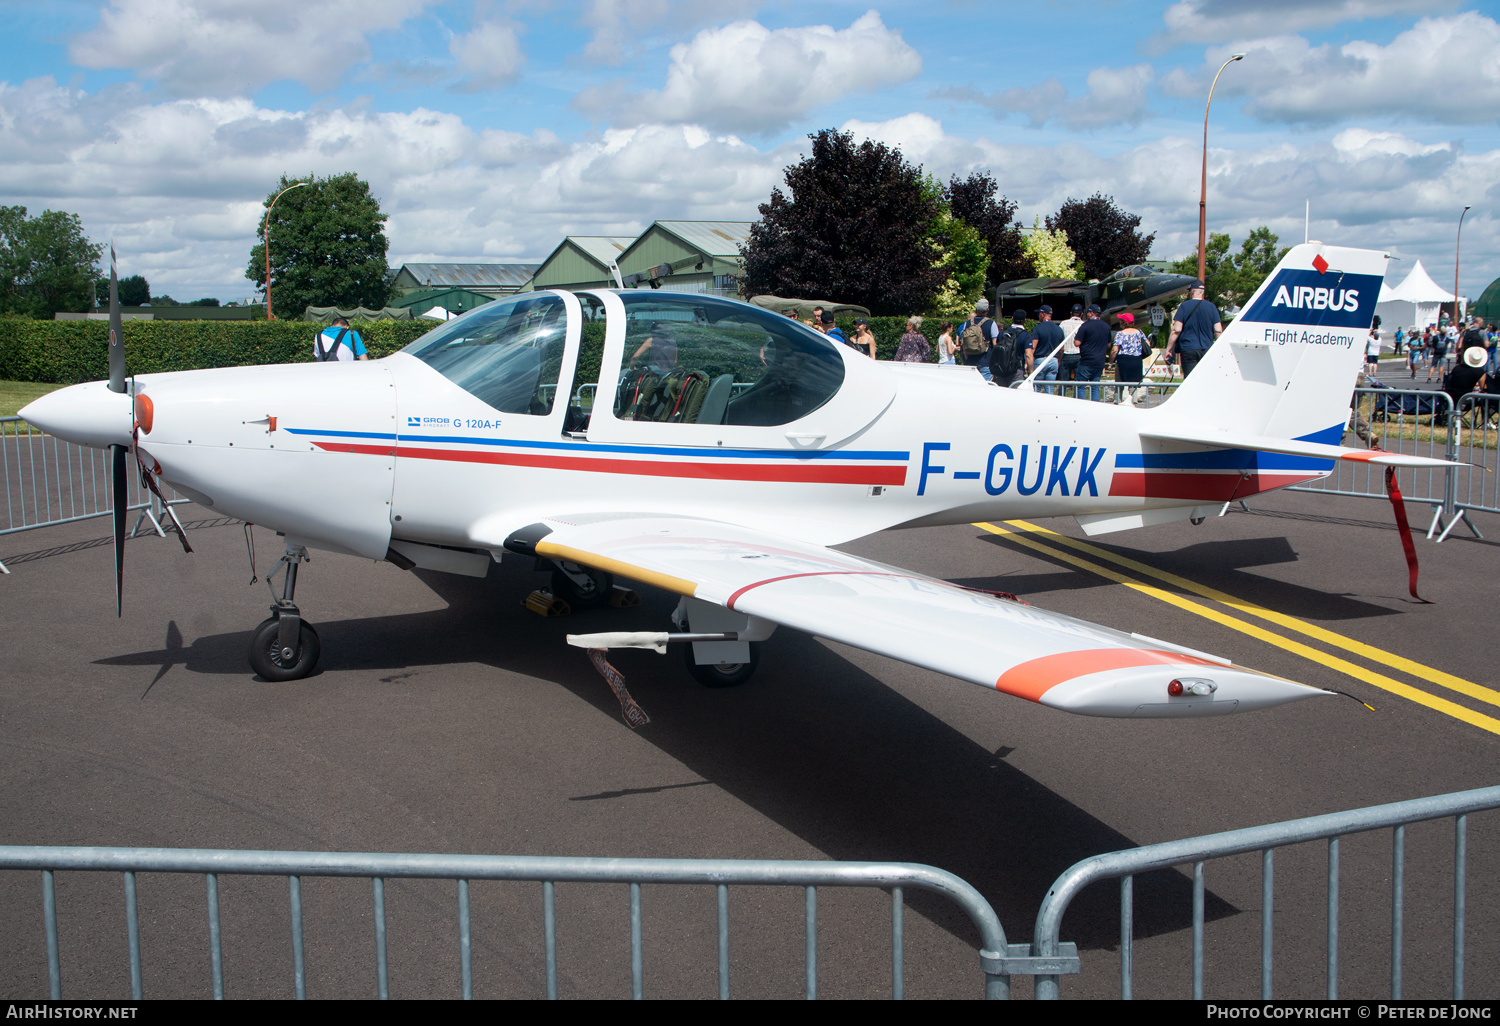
[1370, 652]
[1378, 680]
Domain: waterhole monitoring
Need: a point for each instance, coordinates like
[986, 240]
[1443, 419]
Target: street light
[1456, 242]
[266, 230]
[1203, 191]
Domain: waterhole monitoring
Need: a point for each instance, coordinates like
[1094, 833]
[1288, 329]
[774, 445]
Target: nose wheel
[285, 647]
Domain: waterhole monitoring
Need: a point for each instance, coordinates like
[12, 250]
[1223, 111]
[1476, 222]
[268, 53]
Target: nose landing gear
[285, 647]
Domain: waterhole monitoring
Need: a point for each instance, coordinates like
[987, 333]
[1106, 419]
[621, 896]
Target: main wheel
[265, 652]
[722, 675]
[582, 595]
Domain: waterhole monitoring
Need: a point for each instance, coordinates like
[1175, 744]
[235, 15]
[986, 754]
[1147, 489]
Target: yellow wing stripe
[552, 550]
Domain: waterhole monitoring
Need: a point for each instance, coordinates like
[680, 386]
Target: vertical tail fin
[1287, 365]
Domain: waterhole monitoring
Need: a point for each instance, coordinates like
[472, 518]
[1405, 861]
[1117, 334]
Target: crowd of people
[1079, 348]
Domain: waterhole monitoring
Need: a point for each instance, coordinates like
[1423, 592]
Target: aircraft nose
[88, 414]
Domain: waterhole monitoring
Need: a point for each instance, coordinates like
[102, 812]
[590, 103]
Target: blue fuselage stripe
[648, 450]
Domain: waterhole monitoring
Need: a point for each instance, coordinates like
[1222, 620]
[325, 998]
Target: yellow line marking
[1379, 680]
[554, 551]
[1370, 652]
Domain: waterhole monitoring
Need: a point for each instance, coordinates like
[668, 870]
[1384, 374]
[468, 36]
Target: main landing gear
[285, 647]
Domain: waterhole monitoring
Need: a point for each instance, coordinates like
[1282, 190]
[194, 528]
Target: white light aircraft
[727, 449]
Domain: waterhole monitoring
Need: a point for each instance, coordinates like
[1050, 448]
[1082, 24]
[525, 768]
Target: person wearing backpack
[1013, 354]
[338, 341]
[975, 336]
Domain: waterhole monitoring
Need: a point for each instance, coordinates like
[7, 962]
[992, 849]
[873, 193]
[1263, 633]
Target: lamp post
[266, 230]
[1456, 242]
[1203, 191]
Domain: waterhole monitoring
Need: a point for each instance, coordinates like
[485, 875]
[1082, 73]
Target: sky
[489, 129]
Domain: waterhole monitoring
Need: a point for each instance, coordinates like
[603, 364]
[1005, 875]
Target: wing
[972, 635]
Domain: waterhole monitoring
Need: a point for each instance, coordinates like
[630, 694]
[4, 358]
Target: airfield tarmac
[446, 718]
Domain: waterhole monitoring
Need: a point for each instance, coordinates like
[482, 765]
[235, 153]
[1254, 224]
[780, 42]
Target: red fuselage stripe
[799, 473]
[1210, 487]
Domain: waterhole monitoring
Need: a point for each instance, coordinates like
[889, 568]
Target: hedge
[67, 352]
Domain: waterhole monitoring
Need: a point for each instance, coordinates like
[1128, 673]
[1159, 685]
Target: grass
[16, 394]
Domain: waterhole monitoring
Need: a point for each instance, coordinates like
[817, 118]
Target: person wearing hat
[1468, 375]
[975, 336]
[1094, 341]
[1195, 327]
[864, 339]
[1049, 339]
[831, 330]
[1129, 350]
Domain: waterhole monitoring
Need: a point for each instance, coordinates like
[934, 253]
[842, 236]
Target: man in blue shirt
[338, 341]
[1048, 337]
[1195, 326]
[1019, 341]
[1093, 340]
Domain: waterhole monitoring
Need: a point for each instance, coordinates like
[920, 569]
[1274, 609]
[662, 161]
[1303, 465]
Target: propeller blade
[116, 334]
[120, 498]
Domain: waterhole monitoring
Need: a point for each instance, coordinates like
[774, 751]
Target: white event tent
[1415, 302]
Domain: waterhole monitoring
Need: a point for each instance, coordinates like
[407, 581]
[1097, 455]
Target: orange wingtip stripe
[1033, 678]
[1363, 457]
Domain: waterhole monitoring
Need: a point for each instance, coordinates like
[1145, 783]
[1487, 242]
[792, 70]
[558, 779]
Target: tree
[47, 264]
[961, 255]
[857, 229]
[1232, 279]
[133, 291]
[973, 200]
[1049, 252]
[328, 246]
[1104, 236]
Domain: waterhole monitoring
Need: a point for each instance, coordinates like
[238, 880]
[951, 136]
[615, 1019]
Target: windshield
[692, 359]
[506, 353]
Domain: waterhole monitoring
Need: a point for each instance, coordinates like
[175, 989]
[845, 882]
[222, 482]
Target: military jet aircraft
[1128, 289]
[728, 449]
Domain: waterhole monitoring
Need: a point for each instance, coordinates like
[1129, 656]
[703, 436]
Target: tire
[265, 659]
[722, 675]
[579, 596]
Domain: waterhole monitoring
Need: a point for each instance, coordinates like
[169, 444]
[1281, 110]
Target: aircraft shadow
[813, 742]
[1220, 564]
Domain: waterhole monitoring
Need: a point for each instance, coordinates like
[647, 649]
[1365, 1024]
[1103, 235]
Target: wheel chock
[544, 603]
[624, 598]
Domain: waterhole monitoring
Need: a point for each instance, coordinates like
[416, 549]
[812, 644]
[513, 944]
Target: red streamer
[1399, 505]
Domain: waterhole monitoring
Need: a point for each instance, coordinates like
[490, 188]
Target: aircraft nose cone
[88, 414]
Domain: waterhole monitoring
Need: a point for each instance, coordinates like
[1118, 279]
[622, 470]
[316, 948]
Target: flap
[972, 635]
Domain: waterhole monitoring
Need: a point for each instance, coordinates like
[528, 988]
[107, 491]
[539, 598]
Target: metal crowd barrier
[50, 482]
[1148, 393]
[998, 960]
[1476, 441]
[1124, 865]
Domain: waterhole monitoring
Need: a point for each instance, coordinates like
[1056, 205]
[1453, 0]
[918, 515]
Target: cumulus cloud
[179, 184]
[1444, 70]
[745, 77]
[489, 55]
[1115, 96]
[1215, 21]
[233, 47]
[1382, 190]
[618, 27]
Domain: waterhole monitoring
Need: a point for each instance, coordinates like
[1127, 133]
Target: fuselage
[351, 456]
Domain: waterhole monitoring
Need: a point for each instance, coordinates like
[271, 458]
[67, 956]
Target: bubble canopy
[699, 359]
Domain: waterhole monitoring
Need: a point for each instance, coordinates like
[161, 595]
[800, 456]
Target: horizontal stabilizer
[1293, 447]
